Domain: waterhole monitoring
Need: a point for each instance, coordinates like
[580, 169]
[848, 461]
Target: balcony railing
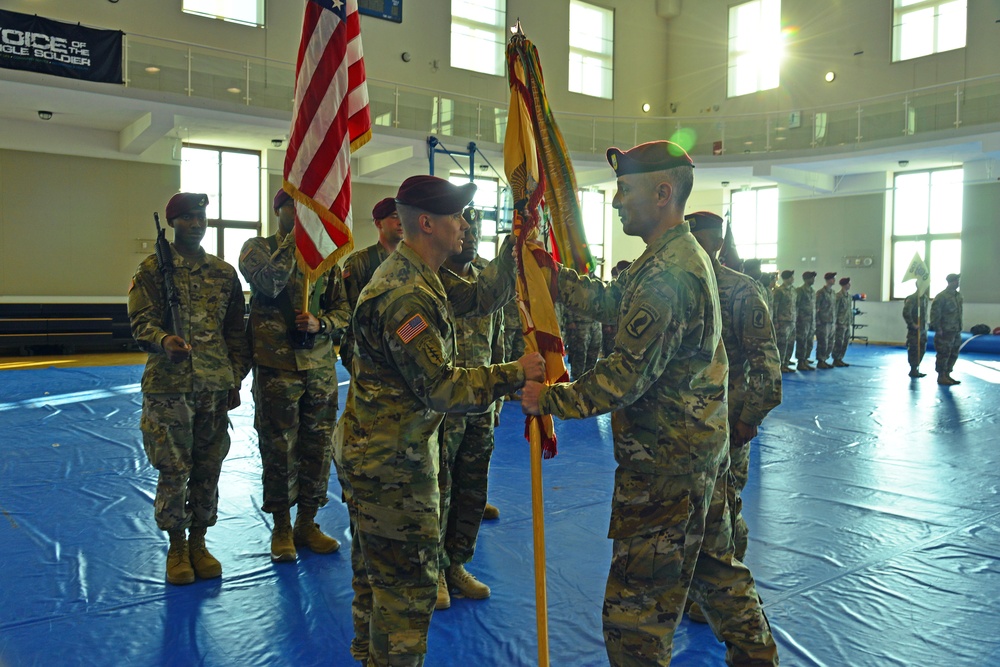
[204, 72]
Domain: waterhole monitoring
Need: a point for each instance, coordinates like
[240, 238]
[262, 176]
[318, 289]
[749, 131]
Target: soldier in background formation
[754, 368]
[785, 319]
[610, 330]
[294, 382]
[751, 267]
[468, 438]
[191, 381]
[805, 322]
[826, 314]
[842, 323]
[583, 341]
[946, 321]
[915, 308]
[387, 443]
[665, 385]
[359, 266]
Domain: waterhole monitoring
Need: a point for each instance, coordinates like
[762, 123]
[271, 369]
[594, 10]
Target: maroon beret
[786, 274]
[845, 281]
[435, 195]
[280, 197]
[185, 202]
[651, 156]
[830, 276]
[384, 208]
[704, 221]
[808, 274]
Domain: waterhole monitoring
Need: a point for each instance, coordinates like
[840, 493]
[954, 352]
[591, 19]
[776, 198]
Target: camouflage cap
[384, 209]
[808, 274]
[701, 221]
[830, 276]
[786, 274]
[280, 197]
[435, 195]
[845, 281]
[651, 156]
[185, 202]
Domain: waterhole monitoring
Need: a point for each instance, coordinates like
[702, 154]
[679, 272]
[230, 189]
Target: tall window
[753, 215]
[755, 46]
[927, 220]
[593, 210]
[231, 179]
[923, 27]
[478, 38]
[591, 49]
[250, 12]
[487, 201]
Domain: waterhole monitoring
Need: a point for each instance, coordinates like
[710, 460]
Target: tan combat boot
[282, 545]
[308, 534]
[179, 570]
[491, 512]
[443, 597]
[467, 584]
[205, 565]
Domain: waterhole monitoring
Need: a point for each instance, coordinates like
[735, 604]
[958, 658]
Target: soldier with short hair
[842, 323]
[785, 318]
[805, 320]
[915, 308]
[583, 342]
[191, 381]
[946, 320]
[826, 315]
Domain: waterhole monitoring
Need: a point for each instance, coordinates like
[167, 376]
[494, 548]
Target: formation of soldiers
[802, 314]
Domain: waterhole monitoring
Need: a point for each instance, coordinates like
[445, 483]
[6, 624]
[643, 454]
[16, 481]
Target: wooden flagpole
[538, 532]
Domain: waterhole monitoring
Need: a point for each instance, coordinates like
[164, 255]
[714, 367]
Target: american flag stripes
[330, 120]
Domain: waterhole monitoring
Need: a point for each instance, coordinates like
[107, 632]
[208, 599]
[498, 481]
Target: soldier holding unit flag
[915, 311]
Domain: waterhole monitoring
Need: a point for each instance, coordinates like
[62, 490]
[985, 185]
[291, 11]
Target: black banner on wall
[52, 47]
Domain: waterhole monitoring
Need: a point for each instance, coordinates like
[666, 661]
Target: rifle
[165, 261]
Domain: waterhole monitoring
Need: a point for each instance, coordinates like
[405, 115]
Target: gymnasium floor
[875, 534]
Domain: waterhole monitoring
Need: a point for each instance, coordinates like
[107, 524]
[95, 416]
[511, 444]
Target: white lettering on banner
[44, 46]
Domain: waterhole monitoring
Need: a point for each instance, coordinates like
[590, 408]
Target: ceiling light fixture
[234, 90]
[830, 76]
[152, 69]
[45, 115]
[646, 107]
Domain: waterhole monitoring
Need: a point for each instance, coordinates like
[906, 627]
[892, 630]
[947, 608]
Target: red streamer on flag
[330, 120]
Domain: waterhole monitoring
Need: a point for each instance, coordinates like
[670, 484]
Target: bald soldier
[754, 368]
[805, 320]
[388, 442]
[359, 267]
[665, 385]
[826, 317]
[784, 318]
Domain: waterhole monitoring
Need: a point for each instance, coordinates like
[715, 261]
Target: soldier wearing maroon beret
[805, 320]
[826, 315]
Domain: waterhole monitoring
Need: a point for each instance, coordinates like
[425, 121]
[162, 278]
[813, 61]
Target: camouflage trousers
[916, 345]
[739, 473]
[464, 477]
[652, 574]
[295, 415]
[513, 343]
[841, 339]
[785, 338]
[824, 340]
[804, 334]
[186, 439]
[946, 344]
[583, 346]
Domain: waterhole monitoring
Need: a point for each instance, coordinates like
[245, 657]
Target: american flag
[330, 120]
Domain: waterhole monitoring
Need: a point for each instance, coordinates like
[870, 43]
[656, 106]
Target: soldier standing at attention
[468, 438]
[665, 385]
[946, 320]
[294, 383]
[826, 316]
[805, 322]
[842, 323]
[583, 336]
[388, 441]
[784, 318]
[915, 309]
[751, 268]
[359, 267]
[189, 389]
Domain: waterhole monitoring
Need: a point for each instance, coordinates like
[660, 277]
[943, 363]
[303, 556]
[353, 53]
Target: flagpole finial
[516, 29]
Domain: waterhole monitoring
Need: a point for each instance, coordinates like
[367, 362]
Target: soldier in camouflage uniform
[189, 388]
[751, 268]
[826, 316]
[915, 315]
[388, 441]
[783, 297]
[294, 382]
[468, 438]
[610, 330]
[842, 323]
[946, 321]
[754, 368]
[665, 385]
[805, 322]
[583, 342]
[359, 267]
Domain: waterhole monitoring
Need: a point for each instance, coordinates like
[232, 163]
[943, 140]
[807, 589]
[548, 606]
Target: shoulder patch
[347, 272]
[409, 329]
[758, 317]
[640, 322]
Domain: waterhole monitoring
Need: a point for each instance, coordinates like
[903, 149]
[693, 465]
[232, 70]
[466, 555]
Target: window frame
[605, 61]
[762, 44]
[218, 12]
[899, 12]
[498, 31]
[768, 262]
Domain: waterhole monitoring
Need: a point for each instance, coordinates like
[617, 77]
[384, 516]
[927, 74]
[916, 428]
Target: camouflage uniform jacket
[765, 286]
[388, 439]
[747, 332]
[805, 304]
[784, 303]
[910, 314]
[845, 308]
[211, 312]
[826, 305]
[480, 338]
[358, 270]
[665, 381]
[270, 274]
[946, 311]
[511, 316]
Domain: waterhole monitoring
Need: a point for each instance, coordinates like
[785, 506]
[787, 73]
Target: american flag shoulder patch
[409, 330]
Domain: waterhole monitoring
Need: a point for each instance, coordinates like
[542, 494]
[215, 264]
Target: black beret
[435, 195]
[953, 277]
[845, 281]
[185, 202]
[808, 274]
[704, 221]
[830, 276]
[651, 156]
[786, 274]
[280, 197]
[384, 208]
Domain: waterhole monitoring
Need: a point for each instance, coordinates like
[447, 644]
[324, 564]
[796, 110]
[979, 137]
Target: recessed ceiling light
[645, 107]
[748, 143]
[830, 76]
[780, 138]
[152, 69]
[234, 90]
